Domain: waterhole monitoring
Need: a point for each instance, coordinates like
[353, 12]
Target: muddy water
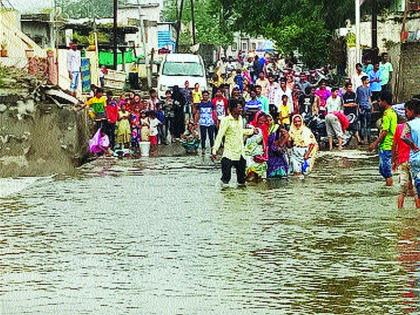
[159, 237]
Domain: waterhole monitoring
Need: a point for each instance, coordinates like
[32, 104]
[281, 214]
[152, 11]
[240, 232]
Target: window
[192, 69]
[244, 46]
[254, 46]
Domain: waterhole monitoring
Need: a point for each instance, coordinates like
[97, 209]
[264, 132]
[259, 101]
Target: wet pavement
[159, 236]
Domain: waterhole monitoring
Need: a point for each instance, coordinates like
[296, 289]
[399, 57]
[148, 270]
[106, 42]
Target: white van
[175, 69]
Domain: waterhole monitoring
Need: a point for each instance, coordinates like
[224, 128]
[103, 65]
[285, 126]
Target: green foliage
[303, 25]
[212, 25]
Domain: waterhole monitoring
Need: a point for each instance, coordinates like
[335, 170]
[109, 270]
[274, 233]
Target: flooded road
[160, 237]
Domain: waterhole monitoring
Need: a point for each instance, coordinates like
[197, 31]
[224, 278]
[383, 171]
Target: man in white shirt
[333, 124]
[233, 132]
[356, 79]
[74, 62]
[263, 82]
[273, 91]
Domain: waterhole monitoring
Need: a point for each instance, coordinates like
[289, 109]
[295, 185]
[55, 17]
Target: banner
[85, 69]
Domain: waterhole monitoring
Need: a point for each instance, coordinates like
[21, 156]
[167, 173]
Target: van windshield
[191, 69]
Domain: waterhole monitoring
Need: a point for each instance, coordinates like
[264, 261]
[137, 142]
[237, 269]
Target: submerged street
[159, 236]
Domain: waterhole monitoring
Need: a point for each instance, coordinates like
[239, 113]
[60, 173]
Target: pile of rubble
[17, 86]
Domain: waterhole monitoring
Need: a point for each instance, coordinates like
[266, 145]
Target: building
[158, 34]
[399, 35]
[17, 43]
[39, 27]
[247, 44]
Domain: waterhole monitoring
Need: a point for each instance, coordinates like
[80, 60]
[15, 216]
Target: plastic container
[145, 148]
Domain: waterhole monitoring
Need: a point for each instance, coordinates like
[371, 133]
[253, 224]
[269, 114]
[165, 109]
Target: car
[175, 69]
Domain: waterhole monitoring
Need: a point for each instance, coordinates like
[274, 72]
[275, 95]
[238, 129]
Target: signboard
[85, 68]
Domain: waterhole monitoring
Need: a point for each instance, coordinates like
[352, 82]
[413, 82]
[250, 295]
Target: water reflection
[159, 237]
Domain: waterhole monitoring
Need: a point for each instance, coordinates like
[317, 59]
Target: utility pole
[179, 23]
[145, 53]
[374, 24]
[115, 28]
[193, 21]
[358, 3]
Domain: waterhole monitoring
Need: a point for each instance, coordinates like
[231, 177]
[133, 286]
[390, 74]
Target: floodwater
[159, 236]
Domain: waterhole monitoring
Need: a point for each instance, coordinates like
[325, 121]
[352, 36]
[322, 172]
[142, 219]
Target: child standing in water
[197, 96]
[144, 122]
[153, 132]
[123, 131]
[135, 128]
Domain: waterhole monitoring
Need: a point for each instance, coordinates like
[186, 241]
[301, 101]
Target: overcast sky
[27, 6]
[31, 5]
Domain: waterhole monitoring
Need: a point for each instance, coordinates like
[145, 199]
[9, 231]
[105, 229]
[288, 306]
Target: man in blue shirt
[375, 79]
[252, 106]
[364, 102]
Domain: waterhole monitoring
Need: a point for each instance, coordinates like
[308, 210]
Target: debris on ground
[17, 85]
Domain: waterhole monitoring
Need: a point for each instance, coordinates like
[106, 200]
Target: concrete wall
[406, 63]
[149, 12]
[42, 140]
[94, 67]
[389, 29]
[18, 42]
[151, 15]
[63, 74]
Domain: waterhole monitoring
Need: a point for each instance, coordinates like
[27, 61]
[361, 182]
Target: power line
[6, 4]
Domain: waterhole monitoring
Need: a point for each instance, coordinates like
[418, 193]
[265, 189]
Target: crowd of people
[257, 110]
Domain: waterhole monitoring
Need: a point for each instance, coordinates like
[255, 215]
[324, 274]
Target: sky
[31, 6]
[26, 6]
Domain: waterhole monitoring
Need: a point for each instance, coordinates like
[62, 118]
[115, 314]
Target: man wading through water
[231, 128]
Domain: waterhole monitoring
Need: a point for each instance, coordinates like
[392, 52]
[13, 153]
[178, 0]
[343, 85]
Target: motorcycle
[315, 77]
[318, 127]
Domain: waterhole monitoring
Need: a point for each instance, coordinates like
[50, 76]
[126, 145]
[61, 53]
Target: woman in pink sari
[99, 144]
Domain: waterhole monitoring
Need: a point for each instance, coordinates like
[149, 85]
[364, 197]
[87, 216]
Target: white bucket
[145, 148]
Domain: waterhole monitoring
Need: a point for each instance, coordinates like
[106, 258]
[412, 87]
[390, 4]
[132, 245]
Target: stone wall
[39, 139]
[406, 63]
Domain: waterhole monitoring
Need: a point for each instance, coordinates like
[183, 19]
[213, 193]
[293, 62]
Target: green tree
[303, 25]
[212, 24]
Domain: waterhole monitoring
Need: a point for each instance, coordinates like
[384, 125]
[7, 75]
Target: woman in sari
[190, 140]
[304, 147]
[278, 162]
[256, 149]
[99, 144]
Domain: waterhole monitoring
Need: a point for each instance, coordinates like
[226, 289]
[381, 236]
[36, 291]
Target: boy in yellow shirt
[284, 112]
[97, 105]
